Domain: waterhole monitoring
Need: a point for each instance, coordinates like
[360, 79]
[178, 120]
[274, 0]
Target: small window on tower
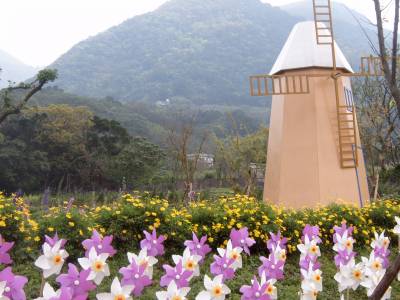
[348, 95]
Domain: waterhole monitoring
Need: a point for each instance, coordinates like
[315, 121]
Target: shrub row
[126, 219]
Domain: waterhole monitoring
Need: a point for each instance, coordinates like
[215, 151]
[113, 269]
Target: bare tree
[14, 98]
[180, 140]
[388, 57]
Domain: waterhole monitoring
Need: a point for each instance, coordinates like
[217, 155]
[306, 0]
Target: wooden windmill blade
[267, 85]
[346, 118]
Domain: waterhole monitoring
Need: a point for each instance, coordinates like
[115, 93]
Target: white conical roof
[302, 51]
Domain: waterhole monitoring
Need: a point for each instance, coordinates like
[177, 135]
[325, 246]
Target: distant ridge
[201, 51]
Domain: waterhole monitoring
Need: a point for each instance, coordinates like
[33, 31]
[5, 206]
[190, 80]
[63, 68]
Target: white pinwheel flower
[372, 281]
[49, 293]
[308, 248]
[344, 242]
[97, 265]
[232, 253]
[118, 292]
[2, 290]
[215, 289]
[189, 262]
[380, 241]
[312, 279]
[173, 293]
[372, 265]
[52, 259]
[311, 294]
[350, 275]
[279, 253]
[271, 289]
[143, 260]
[396, 229]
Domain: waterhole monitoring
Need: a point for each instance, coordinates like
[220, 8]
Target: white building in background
[203, 159]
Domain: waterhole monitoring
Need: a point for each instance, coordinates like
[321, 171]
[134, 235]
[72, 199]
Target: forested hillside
[201, 51]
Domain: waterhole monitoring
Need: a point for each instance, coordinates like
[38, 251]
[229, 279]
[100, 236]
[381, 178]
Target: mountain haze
[199, 51]
[14, 70]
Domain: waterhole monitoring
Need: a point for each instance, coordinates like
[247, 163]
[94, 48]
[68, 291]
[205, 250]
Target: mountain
[14, 70]
[201, 51]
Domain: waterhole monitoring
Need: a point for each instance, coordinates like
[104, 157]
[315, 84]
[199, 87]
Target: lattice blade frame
[267, 85]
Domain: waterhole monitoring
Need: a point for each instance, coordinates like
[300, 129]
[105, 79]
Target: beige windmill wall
[303, 162]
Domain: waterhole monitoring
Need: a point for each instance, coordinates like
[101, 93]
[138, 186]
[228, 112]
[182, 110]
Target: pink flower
[153, 243]
[178, 274]
[198, 247]
[101, 245]
[240, 238]
[4, 248]
[14, 288]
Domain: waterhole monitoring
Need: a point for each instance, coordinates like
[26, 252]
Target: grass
[287, 289]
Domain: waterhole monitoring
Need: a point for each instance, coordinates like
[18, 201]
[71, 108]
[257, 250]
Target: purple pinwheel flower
[341, 230]
[276, 240]
[4, 248]
[240, 238]
[178, 274]
[14, 288]
[101, 245]
[198, 247]
[305, 263]
[272, 268]
[76, 282]
[312, 232]
[343, 257]
[52, 241]
[135, 275]
[255, 291]
[384, 254]
[223, 265]
[153, 243]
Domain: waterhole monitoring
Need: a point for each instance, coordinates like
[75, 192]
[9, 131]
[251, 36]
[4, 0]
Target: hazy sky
[37, 32]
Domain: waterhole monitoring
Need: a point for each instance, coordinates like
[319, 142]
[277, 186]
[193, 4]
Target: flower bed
[231, 224]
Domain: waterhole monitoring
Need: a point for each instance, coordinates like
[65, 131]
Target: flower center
[57, 259]
[377, 265]
[76, 282]
[224, 265]
[348, 244]
[154, 242]
[217, 291]
[7, 289]
[178, 277]
[198, 246]
[190, 265]
[119, 297]
[313, 249]
[98, 266]
[136, 276]
[176, 297]
[242, 241]
[257, 294]
[317, 278]
[315, 293]
[269, 289]
[143, 262]
[357, 274]
[99, 247]
[234, 255]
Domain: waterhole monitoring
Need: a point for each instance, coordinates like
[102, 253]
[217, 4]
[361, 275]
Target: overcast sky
[37, 32]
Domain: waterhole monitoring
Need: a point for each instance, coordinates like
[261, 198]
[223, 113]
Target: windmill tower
[314, 150]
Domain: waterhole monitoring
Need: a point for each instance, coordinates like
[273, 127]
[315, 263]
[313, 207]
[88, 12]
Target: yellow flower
[210, 239]
[36, 239]
[2, 223]
[71, 224]
[51, 229]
